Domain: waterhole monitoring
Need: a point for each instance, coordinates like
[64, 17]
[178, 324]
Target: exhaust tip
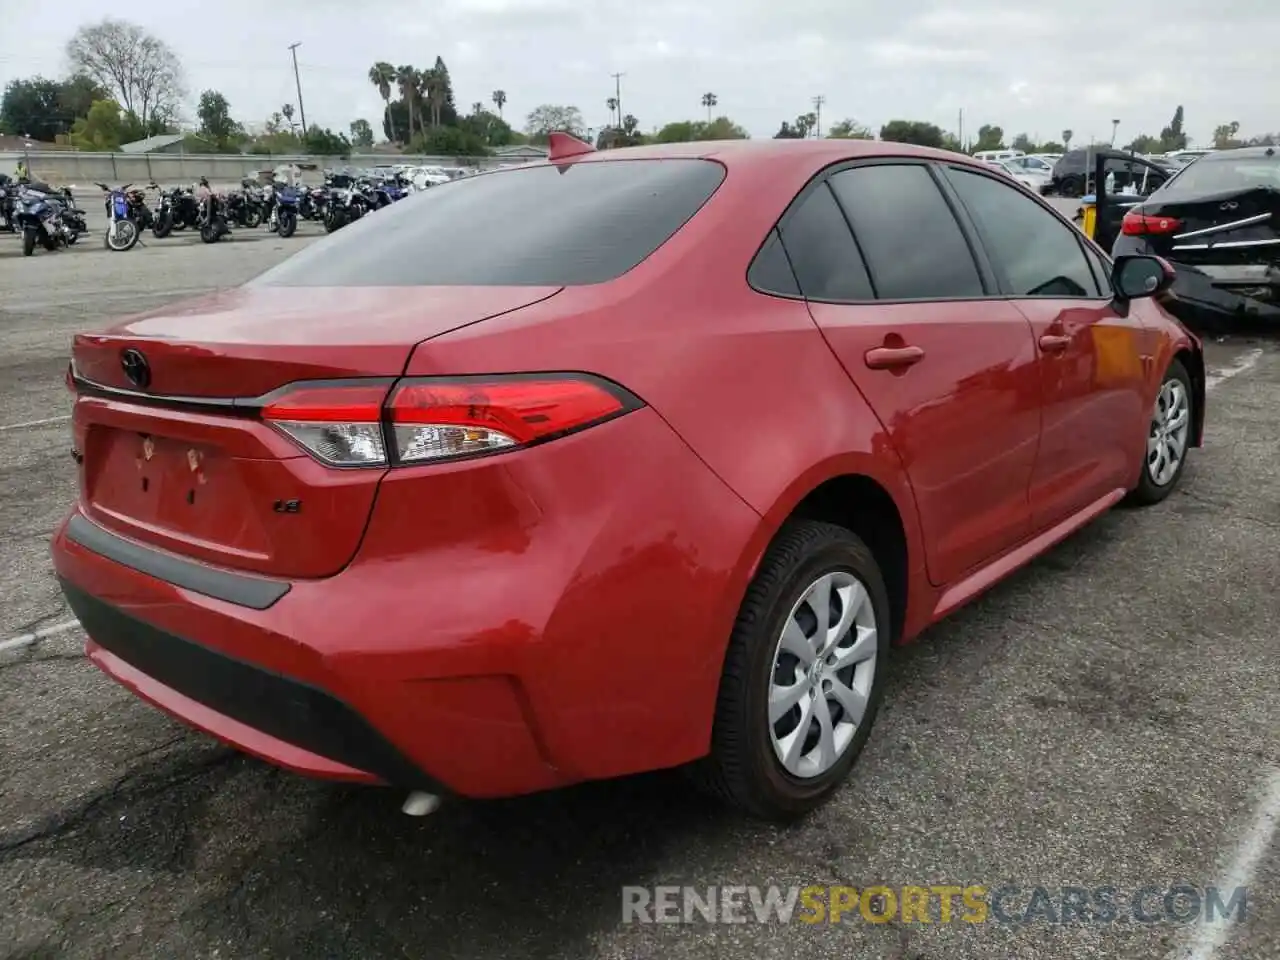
[420, 804]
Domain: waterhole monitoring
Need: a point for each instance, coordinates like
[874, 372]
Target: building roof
[152, 144]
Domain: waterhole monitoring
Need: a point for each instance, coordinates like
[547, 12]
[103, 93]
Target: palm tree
[612, 104]
[287, 110]
[437, 93]
[499, 100]
[382, 75]
[407, 82]
[709, 100]
[477, 108]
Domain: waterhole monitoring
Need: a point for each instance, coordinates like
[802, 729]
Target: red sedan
[623, 461]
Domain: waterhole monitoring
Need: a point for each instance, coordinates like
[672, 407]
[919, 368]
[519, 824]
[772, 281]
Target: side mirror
[1134, 277]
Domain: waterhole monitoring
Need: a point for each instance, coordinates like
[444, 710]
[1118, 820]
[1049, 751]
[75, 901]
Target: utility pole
[960, 131]
[818, 101]
[617, 94]
[293, 48]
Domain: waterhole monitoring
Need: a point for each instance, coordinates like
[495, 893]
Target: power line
[617, 95]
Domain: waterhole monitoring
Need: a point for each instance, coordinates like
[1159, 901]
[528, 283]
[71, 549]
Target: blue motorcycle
[45, 219]
[122, 231]
[283, 218]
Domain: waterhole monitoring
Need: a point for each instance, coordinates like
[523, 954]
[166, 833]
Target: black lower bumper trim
[278, 706]
[256, 593]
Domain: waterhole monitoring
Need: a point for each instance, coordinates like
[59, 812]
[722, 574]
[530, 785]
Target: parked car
[471, 500]
[1218, 221]
[1035, 180]
[1035, 164]
[1072, 175]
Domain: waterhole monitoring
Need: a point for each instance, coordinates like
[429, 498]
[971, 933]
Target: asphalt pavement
[1108, 717]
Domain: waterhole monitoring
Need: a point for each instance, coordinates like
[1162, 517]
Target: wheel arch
[1192, 358]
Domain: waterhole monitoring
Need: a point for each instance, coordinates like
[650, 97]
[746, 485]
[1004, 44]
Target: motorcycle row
[49, 218]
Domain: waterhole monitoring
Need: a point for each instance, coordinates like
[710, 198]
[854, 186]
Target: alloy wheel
[1170, 426]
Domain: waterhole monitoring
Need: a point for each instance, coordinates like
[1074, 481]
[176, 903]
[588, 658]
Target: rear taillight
[338, 423]
[1138, 224]
[416, 421]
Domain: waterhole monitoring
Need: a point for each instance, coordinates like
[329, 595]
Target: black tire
[742, 768]
[1148, 491]
[29, 237]
[253, 217]
[334, 221]
[1072, 186]
[212, 231]
[163, 226]
[288, 223]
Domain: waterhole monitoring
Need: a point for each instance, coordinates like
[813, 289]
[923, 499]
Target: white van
[994, 156]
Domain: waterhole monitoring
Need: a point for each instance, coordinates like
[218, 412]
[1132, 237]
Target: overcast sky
[1027, 66]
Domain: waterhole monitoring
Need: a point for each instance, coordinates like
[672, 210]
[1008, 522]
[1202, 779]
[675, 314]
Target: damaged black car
[1218, 222]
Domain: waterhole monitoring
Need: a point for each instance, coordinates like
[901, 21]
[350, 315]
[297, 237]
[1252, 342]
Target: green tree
[1224, 135]
[1066, 140]
[1052, 146]
[324, 142]
[1145, 143]
[989, 138]
[849, 130]
[1023, 142]
[361, 134]
[216, 123]
[489, 127]
[383, 76]
[918, 132]
[407, 83]
[1173, 137]
[499, 98]
[140, 71]
[450, 141]
[709, 100]
[101, 129]
[549, 118]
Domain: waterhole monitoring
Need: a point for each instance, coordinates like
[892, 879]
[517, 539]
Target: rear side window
[566, 225]
[908, 234]
[823, 254]
[1039, 255]
[771, 271]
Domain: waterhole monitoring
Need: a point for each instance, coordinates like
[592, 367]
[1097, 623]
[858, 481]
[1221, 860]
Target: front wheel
[163, 226]
[803, 674]
[287, 223]
[1168, 438]
[122, 235]
[29, 237]
[211, 231]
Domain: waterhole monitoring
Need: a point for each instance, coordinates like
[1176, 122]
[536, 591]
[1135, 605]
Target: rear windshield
[1223, 173]
[542, 225]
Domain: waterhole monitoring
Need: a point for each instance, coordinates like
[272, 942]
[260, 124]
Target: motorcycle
[8, 193]
[283, 216]
[177, 209]
[247, 207]
[45, 219]
[213, 218]
[122, 228]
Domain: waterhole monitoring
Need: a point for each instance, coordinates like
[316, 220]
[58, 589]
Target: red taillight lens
[339, 424]
[1138, 224]
[348, 424]
[438, 419]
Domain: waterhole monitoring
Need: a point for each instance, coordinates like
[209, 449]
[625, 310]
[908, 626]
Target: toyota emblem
[136, 368]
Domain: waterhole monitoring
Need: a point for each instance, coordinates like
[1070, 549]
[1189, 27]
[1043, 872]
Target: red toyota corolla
[628, 460]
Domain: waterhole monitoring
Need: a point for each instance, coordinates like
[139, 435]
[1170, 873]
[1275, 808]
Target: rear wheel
[803, 675]
[1168, 438]
[29, 237]
[163, 226]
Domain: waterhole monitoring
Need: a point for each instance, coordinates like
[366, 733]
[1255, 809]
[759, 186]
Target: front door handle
[888, 358]
[1054, 343]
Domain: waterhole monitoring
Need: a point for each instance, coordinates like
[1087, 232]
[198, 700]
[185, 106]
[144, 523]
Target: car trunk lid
[177, 458]
[1235, 227]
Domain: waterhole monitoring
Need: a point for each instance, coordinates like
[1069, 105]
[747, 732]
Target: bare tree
[140, 70]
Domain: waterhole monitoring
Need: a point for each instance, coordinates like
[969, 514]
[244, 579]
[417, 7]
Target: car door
[949, 371]
[1091, 348]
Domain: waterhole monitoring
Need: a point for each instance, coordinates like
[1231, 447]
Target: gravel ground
[1107, 717]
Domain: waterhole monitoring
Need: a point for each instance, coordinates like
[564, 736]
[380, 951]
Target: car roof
[780, 155]
[1244, 153]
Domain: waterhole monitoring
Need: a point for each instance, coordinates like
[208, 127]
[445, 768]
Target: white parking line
[1246, 361]
[27, 639]
[1209, 938]
[33, 423]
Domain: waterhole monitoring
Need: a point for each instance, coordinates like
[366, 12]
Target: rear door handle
[1054, 343]
[887, 358]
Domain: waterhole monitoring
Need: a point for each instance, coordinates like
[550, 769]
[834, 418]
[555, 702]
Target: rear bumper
[1213, 292]
[576, 633]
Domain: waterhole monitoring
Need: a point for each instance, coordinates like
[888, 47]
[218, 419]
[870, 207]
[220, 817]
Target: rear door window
[912, 243]
[543, 225]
